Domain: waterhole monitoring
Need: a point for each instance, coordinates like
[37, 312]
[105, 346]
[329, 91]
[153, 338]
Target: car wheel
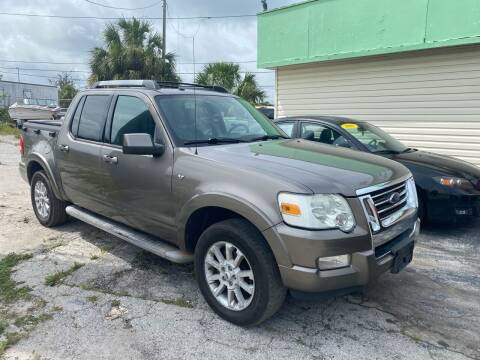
[49, 210]
[422, 213]
[237, 273]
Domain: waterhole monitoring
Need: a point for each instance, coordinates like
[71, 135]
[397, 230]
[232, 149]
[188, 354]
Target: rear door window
[93, 117]
[131, 116]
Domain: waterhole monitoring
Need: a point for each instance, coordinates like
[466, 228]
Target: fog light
[333, 262]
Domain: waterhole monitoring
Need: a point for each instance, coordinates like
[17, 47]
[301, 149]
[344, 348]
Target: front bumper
[448, 207]
[366, 266]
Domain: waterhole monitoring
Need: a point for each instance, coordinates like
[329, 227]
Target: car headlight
[412, 196]
[454, 182]
[317, 212]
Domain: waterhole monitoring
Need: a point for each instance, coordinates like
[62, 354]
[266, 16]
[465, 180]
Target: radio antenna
[195, 117]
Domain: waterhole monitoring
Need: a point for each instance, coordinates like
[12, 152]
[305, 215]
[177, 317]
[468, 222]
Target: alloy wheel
[229, 276]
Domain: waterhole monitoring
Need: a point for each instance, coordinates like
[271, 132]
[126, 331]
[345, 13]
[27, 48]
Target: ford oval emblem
[394, 198]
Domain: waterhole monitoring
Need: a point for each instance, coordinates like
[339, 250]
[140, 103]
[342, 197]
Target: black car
[448, 188]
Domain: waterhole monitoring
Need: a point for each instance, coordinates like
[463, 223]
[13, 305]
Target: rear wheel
[237, 273]
[49, 210]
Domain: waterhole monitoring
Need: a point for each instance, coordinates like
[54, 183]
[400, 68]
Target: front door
[139, 190]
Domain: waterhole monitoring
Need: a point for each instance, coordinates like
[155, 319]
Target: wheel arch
[205, 210]
[37, 162]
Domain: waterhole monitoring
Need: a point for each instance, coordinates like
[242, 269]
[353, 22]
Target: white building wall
[429, 99]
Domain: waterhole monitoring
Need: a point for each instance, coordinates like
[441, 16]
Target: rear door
[139, 190]
[78, 152]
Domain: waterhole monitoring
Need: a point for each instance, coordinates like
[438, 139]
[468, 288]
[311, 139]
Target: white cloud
[70, 40]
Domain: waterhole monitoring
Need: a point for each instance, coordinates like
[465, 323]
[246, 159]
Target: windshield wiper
[214, 141]
[268, 137]
[407, 150]
[386, 152]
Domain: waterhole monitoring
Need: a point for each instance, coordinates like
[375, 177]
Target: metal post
[18, 74]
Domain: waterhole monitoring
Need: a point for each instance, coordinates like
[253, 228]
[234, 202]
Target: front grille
[389, 200]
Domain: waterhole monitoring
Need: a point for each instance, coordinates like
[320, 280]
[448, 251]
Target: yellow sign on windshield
[349, 126]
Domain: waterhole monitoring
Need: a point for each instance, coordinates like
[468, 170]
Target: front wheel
[237, 273]
[49, 210]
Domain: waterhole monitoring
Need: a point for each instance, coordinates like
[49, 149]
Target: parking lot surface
[92, 296]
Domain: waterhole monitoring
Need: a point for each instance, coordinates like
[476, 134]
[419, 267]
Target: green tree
[66, 89]
[132, 51]
[249, 90]
[228, 76]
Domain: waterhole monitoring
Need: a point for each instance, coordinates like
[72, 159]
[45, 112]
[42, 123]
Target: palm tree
[249, 90]
[222, 74]
[228, 76]
[132, 51]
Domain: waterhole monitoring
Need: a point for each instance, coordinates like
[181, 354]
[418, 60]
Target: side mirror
[141, 144]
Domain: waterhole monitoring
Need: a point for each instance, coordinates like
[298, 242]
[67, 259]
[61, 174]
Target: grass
[106, 248]
[115, 303]
[11, 339]
[58, 277]
[3, 326]
[94, 257]
[9, 292]
[6, 129]
[92, 299]
[178, 302]
[31, 320]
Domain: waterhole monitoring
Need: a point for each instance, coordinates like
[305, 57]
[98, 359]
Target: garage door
[429, 99]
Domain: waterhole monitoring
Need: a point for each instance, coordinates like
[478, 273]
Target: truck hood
[320, 168]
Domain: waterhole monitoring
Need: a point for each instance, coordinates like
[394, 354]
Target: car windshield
[217, 119]
[375, 139]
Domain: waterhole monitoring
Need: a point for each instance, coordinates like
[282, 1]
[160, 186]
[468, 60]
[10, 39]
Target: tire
[268, 291]
[422, 211]
[55, 214]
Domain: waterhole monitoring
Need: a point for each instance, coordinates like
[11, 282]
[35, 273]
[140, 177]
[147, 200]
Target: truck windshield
[213, 119]
[375, 139]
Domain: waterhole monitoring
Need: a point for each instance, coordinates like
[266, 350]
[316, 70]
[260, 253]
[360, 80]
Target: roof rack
[180, 85]
[153, 84]
[149, 84]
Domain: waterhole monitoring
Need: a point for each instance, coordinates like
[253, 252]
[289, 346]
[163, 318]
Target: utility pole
[164, 34]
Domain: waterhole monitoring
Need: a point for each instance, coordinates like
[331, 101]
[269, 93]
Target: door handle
[64, 148]
[110, 159]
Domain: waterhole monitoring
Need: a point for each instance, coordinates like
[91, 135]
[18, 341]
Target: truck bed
[43, 125]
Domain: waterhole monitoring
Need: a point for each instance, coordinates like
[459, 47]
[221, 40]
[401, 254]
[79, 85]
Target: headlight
[453, 182]
[412, 196]
[320, 211]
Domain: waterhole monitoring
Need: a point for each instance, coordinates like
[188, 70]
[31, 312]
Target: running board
[134, 237]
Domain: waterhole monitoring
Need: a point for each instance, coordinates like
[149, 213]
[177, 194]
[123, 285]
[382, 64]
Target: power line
[51, 70]
[84, 80]
[81, 17]
[122, 8]
[86, 63]
[43, 62]
[88, 72]
[36, 75]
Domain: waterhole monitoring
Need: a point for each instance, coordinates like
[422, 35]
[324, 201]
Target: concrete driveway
[88, 295]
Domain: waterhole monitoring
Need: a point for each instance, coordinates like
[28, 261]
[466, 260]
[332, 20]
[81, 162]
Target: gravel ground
[125, 304]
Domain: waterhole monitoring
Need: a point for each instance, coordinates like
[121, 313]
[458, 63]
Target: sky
[58, 40]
